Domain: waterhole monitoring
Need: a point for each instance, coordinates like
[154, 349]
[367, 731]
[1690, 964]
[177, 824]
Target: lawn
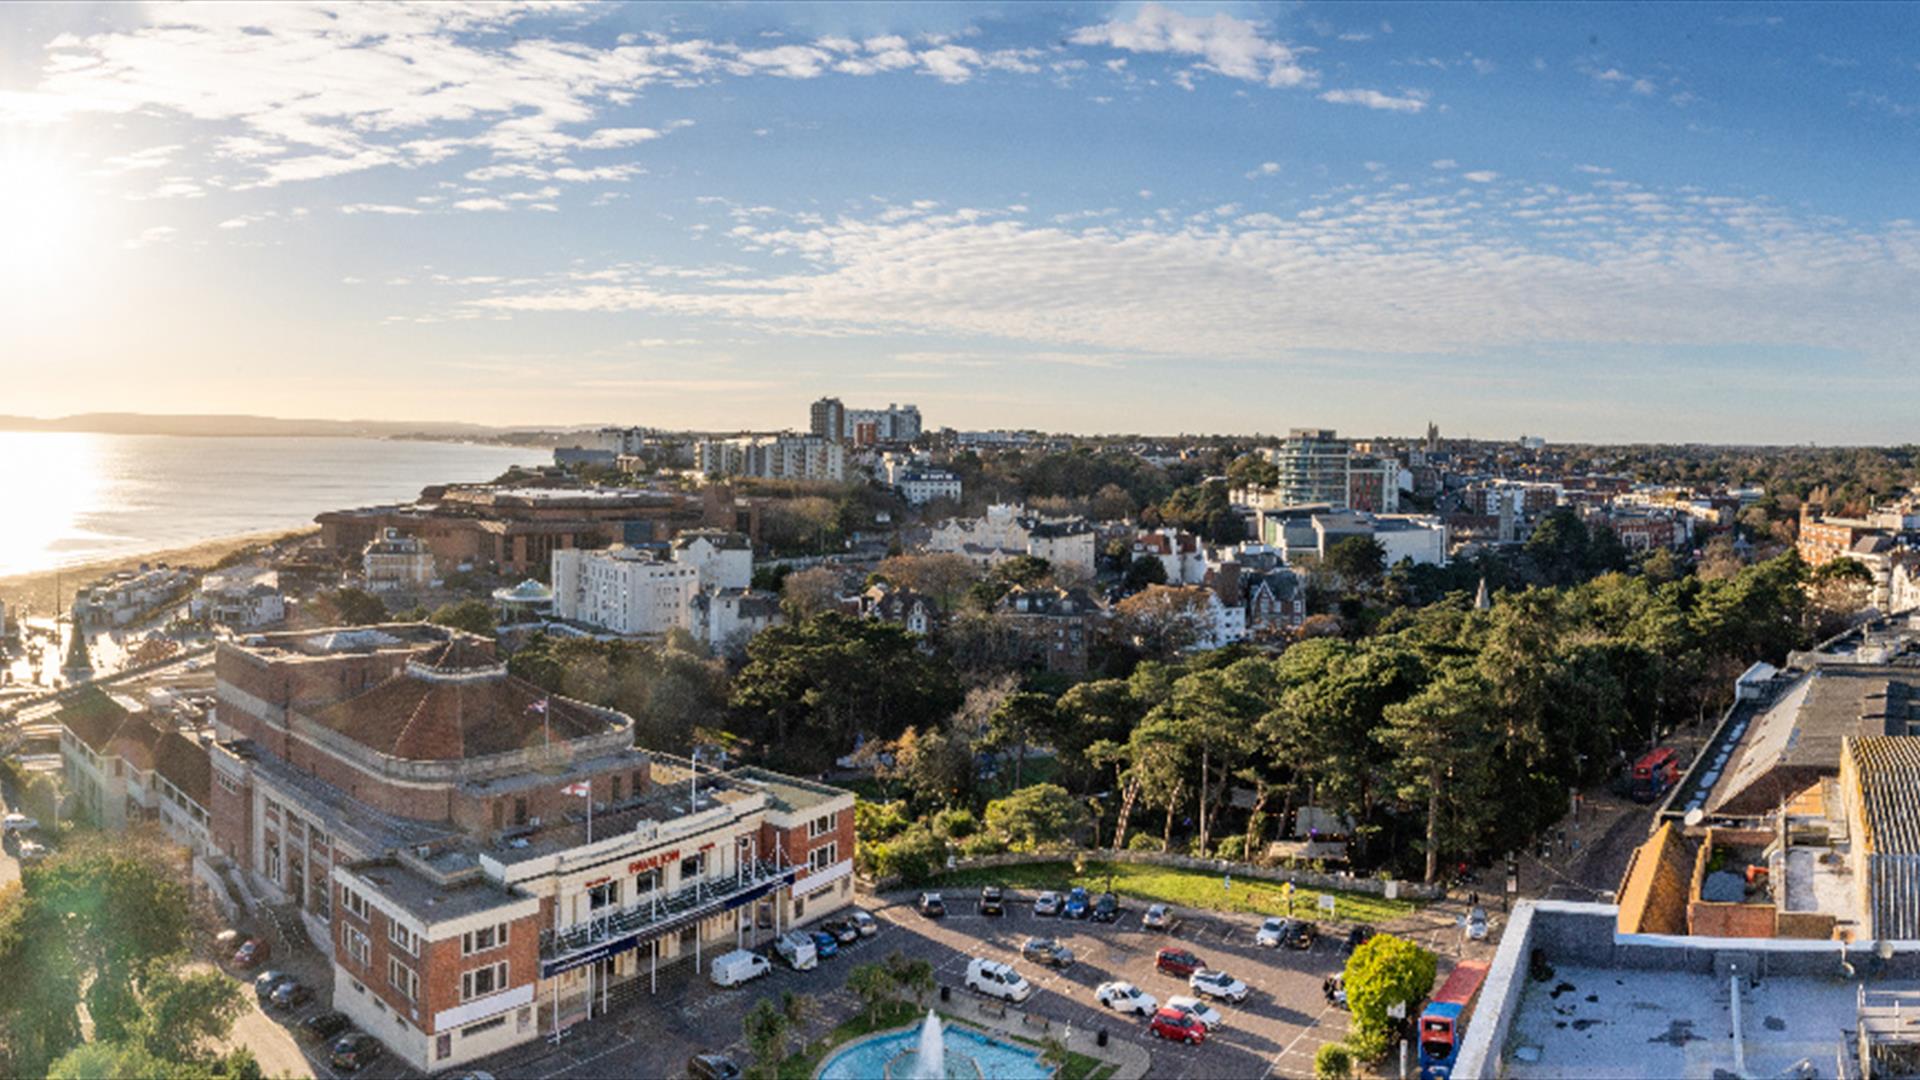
[899, 1014]
[1183, 888]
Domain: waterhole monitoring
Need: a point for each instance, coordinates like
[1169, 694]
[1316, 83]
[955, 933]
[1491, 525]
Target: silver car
[1047, 903]
[1159, 917]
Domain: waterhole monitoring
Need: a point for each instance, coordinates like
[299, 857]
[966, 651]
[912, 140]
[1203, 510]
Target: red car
[1178, 1026]
[1178, 962]
[252, 953]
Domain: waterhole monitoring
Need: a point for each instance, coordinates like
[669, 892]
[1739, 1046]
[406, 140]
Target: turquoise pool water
[996, 1060]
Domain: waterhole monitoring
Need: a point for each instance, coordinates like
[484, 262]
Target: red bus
[1653, 774]
[1443, 1023]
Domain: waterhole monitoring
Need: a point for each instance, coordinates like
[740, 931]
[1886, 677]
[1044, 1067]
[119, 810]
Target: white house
[625, 590]
[723, 560]
[1005, 533]
[727, 618]
[396, 562]
[245, 598]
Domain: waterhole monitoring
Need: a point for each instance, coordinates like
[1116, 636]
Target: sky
[1593, 222]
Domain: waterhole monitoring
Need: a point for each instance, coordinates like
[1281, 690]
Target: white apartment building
[1005, 533]
[723, 559]
[396, 562]
[775, 457]
[624, 590]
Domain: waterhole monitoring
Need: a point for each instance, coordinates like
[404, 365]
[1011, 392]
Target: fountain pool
[927, 1052]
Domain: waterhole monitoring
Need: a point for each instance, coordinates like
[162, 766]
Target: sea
[72, 498]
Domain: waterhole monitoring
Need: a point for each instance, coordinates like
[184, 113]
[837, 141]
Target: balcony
[616, 930]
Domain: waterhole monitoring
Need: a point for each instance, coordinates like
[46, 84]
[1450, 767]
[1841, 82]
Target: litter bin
[946, 993]
[1100, 1037]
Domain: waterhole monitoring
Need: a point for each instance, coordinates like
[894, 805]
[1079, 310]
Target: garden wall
[1405, 890]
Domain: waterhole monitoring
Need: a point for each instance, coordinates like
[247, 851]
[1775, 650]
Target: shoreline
[34, 589]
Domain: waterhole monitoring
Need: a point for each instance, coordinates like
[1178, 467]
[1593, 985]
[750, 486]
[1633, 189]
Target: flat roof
[433, 901]
[790, 794]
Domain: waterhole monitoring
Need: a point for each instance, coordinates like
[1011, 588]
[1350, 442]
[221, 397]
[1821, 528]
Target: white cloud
[1594, 170]
[480, 204]
[1411, 101]
[377, 208]
[1446, 163]
[1265, 168]
[1235, 48]
[1483, 176]
[156, 234]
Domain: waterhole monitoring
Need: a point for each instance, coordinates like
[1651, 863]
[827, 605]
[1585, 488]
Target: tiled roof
[417, 717]
[1888, 772]
[93, 717]
[183, 762]
[135, 742]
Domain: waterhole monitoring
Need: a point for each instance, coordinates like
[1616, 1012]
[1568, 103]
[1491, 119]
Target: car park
[738, 966]
[1357, 937]
[931, 905]
[1197, 1009]
[354, 1051]
[1270, 933]
[1047, 904]
[993, 901]
[1159, 917]
[1178, 1026]
[1124, 997]
[1218, 985]
[290, 994]
[252, 953]
[266, 982]
[1046, 951]
[824, 943]
[712, 1067]
[995, 979]
[322, 1026]
[1178, 962]
[1298, 934]
[1078, 904]
[797, 950]
[865, 923]
[1107, 908]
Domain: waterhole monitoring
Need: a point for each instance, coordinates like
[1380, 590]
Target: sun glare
[44, 215]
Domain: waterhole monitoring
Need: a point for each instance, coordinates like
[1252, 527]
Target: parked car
[824, 943]
[995, 979]
[1477, 924]
[1159, 917]
[322, 1026]
[993, 901]
[1178, 962]
[1042, 950]
[1298, 934]
[1078, 905]
[290, 994]
[738, 966]
[32, 851]
[1270, 933]
[1174, 1025]
[1334, 989]
[1047, 903]
[266, 982]
[355, 1051]
[252, 953]
[1197, 1009]
[931, 905]
[1218, 985]
[1107, 908]
[865, 923]
[844, 931]
[798, 950]
[1124, 997]
[1357, 937]
[712, 1067]
[17, 822]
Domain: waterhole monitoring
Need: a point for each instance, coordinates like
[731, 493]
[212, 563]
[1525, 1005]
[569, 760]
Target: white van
[995, 979]
[798, 951]
[736, 967]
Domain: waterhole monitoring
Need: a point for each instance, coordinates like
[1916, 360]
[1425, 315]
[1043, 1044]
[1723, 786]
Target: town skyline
[1606, 225]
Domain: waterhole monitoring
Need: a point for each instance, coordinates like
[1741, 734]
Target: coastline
[34, 589]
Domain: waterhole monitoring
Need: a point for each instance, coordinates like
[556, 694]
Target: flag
[538, 707]
[584, 789]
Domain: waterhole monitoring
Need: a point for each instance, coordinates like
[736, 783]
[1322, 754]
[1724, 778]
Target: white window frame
[823, 825]
[403, 938]
[353, 901]
[832, 852]
[359, 947]
[470, 941]
[501, 979]
[403, 978]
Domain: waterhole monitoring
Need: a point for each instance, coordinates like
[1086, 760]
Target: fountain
[931, 1061]
[927, 1055]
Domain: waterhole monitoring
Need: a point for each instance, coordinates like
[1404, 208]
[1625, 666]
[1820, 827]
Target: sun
[45, 218]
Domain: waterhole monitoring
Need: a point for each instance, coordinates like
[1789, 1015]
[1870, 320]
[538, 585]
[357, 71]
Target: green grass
[1183, 888]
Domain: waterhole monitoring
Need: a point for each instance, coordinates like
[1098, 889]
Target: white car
[18, 823]
[1217, 985]
[31, 851]
[864, 923]
[1124, 997]
[1197, 1009]
[995, 979]
[1158, 917]
[1477, 924]
[1047, 903]
[1271, 933]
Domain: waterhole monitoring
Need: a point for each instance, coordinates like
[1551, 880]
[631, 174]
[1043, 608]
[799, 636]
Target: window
[353, 901]
[618, 781]
[821, 826]
[483, 1026]
[482, 981]
[443, 1044]
[404, 939]
[645, 882]
[693, 866]
[823, 856]
[483, 939]
[605, 894]
[639, 781]
[358, 947]
[402, 978]
[520, 810]
[272, 867]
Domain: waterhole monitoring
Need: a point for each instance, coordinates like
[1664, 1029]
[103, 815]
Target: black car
[290, 994]
[1107, 908]
[265, 983]
[712, 1067]
[1357, 937]
[1297, 934]
[993, 901]
[355, 1051]
[845, 931]
[325, 1025]
[931, 905]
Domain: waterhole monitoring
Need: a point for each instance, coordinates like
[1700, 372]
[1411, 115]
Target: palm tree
[874, 986]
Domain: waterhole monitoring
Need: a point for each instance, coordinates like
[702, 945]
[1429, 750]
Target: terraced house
[489, 863]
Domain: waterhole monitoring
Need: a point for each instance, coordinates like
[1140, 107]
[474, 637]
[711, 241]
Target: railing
[658, 908]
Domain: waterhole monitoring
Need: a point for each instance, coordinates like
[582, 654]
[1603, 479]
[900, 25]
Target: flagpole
[589, 809]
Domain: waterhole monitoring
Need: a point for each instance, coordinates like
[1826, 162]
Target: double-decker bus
[1444, 1021]
[1653, 774]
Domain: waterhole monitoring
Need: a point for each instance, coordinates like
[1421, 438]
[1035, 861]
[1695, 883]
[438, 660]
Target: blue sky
[1597, 221]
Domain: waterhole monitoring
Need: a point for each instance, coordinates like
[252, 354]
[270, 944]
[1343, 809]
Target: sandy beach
[34, 591]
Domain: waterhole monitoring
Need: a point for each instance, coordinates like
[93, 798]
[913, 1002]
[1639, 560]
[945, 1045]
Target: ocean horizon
[79, 497]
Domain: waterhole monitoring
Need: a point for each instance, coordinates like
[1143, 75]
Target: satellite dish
[1694, 817]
